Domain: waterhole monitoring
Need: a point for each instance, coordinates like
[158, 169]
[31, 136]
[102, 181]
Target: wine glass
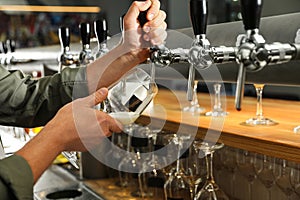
[210, 190]
[265, 173]
[194, 106]
[283, 181]
[259, 119]
[177, 186]
[245, 162]
[217, 109]
[152, 177]
[297, 129]
[295, 178]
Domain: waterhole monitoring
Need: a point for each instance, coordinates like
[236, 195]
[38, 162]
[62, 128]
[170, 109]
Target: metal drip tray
[58, 183]
[75, 192]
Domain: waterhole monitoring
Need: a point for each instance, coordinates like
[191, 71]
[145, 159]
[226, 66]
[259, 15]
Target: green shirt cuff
[17, 177]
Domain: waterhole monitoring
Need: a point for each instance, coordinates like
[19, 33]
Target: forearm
[112, 66]
[40, 151]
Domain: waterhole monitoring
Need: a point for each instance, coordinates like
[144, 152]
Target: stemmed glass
[297, 129]
[152, 178]
[259, 119]
[210, 190]
[265, 173]
[194, 106]
[295, 178]
[283, 181]
[177, 185]
[217, 109]
[245, 162]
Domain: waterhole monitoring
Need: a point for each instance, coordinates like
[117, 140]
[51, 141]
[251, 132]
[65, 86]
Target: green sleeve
[30, 103]
[16, 179]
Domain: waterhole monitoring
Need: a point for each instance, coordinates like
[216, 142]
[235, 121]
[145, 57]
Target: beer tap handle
[11, 45]
[4, 48]
[198, 15]
[64, 37]
[251, 13]
[143, 18]
[100, 27]
[85, 33]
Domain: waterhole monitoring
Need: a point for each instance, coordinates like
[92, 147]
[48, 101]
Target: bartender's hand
[153, 31]
[76, 127]
[134, 48]
[83, 126]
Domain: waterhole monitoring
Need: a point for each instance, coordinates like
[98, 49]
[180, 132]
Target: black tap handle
[64, 36]
[198, 15]
[100, 27]
[251, 13]
[11, 45]
[143, 18]
[3, 47]
[85, 33]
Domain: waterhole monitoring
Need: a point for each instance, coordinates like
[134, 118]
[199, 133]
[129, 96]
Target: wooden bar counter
[277, 140]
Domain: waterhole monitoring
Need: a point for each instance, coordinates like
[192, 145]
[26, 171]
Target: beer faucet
[253, 53]
[85, 56]
[198, 53]
[100, 27]
[3, 51]
[66, 58]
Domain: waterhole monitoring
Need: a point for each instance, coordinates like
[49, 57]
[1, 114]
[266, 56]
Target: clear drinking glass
[217, 109]
[210, 190]
[283, 181]
[126, 100]
[177, 186]
[194, 106]
[259, 119]
[265, 173]
[245, 162]
[295, 178]
[131, 96]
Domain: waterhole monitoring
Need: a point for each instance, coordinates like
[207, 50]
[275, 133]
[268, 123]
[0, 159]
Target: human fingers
[133, 12]
[158, 21]
[95, 98]
[157, 36]
[153, 10]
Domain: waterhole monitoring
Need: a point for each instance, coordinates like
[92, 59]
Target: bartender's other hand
[82, 125]
[153, 31]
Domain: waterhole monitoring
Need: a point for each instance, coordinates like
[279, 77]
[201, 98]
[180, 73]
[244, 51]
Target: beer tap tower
[253, 53]
[100, 27]
[66, 58]
[85, 56]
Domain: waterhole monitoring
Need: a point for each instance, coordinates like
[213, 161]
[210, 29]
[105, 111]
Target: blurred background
[34, 23]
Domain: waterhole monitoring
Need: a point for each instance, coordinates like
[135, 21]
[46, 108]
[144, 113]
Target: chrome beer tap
[253, 53]
[3, 51]
[100, 27]
[198, 53]
[85, 56]
[66, 58]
